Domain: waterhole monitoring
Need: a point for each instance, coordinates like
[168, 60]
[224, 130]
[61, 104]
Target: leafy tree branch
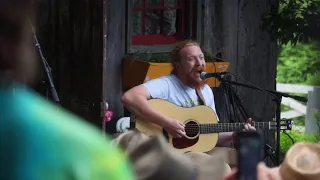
[294, 21]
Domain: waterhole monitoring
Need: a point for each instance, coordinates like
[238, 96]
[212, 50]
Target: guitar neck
[230, 127]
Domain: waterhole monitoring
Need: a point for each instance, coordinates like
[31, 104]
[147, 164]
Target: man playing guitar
[183, 87]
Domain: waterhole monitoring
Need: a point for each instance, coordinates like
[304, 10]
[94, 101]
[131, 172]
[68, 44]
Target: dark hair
[17, 52]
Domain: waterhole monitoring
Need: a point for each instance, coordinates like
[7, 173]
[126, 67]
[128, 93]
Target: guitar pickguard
[182, 143]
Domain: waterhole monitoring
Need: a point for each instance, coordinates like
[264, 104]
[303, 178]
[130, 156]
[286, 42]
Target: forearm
[140, 107]
[224, 138]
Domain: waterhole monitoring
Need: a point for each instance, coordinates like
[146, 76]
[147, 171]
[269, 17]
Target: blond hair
[129, 140]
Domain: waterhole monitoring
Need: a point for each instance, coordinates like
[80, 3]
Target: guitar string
[214, 130]
[196, 126]
[227, 125]
[195, 129]
[218, 124]
[220, 127]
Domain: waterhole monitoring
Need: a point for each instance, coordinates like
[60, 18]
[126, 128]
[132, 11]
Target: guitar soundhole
[192, 131]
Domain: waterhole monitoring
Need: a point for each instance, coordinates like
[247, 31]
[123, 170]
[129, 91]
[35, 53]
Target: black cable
[225, 93]
[273, 159]
[233, 102]
[292, 140]
[215, 70]
[46, 66]
[255, 86]
[242, 110]
[278, 98]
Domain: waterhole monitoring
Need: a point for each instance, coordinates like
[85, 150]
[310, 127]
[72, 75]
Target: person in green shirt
[39, 141]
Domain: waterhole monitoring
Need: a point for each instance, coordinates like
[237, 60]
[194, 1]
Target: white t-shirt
[170, 88]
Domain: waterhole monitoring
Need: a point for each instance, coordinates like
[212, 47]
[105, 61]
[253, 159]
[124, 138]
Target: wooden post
[313, 107]
[104, 103]
[115, 51]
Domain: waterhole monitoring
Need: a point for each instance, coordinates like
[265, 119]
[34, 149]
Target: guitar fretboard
[230, 127]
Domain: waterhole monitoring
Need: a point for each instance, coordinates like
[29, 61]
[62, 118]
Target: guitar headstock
[285, 124]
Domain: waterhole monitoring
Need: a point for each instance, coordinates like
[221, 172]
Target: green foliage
[210, 57]
[286, 143]
[160, 58]
[299, 64]
[165, 57]
[150, 57]
[313, 79]
[299, 121]
[294, 21]
[317, 116]
[298, 136]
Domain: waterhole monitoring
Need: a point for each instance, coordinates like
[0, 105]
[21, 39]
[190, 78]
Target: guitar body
[201, 126]
[191, 117]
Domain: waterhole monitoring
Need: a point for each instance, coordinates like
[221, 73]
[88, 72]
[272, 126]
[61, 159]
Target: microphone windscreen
[203, 75]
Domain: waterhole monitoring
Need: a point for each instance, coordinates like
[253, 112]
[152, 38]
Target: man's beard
[195, 82]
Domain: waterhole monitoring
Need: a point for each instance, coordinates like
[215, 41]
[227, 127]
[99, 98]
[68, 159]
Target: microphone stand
[269, 151]
[232, 100]
[277, 100]
[47, 68]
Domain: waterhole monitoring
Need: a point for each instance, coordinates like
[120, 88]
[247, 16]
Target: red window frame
[142, 39]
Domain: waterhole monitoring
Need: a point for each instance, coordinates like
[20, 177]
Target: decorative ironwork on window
[157, 21]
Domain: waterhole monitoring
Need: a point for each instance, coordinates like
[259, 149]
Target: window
[154, 25]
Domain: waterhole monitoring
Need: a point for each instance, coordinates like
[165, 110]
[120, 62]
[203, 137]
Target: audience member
[39, 141]
[153, 159]
[302, 162]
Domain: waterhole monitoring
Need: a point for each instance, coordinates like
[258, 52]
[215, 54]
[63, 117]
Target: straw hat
[302, 162]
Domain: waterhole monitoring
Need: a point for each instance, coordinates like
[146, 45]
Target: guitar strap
[200, 96]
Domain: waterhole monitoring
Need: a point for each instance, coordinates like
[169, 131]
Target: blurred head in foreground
[17, 52]
[38, 140]
[302, 162]
[152, 158]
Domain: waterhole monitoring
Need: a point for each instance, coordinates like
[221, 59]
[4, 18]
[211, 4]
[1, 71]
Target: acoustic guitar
[201, 126]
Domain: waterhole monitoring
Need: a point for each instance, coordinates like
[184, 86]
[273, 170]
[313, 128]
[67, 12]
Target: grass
[298, 136]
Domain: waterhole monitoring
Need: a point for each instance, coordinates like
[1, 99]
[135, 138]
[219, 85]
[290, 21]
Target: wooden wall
[70, 34]
[116, 39]
[233, 29]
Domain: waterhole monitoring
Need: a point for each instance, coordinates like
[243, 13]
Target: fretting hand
[248, 126]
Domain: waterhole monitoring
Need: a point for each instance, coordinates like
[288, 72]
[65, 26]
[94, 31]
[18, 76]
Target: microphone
[205, 75]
